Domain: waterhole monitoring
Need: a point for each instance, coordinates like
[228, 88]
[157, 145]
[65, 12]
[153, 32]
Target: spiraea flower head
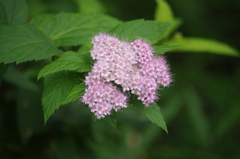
[122, 67]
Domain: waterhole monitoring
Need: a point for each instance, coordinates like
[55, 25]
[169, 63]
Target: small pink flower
[129, 65]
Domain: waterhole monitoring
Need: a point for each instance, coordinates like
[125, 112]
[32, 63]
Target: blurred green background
[201, 107]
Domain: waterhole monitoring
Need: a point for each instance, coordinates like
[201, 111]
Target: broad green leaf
[163, 12]
[19, 79]
[161, 49]
[90, 6]
[69, 29]
[24, 43]
[152, 112]
[68, 61]
[13, 12]
[76, 92]
[190, 44]
[150, 30]
[57, 87]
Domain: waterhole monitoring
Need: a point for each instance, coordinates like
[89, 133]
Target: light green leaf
[152, 112]
[163, 12]
[13, 12]
[90, 6]
[150, 30]
[68, 61]
[76, 92]
[190, 44]
[161, 49]
[24, 43]
[20, 80]
[68, 29]
[56, 89]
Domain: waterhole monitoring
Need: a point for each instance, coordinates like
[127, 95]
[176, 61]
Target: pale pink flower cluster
[129, 65]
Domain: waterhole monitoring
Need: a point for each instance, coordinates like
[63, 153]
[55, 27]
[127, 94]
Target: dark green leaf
[29, 113]
[197, 116]
[76, 92]
[150, 30]
[68, 61]
[56, 89]
[13, 12]
[111, 120]
[3, 69]
[19, 79]
[24, 43]
[152, 112]
[68, 29]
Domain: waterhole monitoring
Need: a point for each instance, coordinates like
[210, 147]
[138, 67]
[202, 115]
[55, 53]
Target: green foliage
[68, 61]
[152, 112]
[163, 12]
[57, 87]
[150, 30]
[13, 12]
[24, 43]
[201, 108]
[111, 120]
[90, 6]
[190, 44]
[19, 79]
[3, 69]
[69, 29]
[29, 113]
[76, 92]
[161, 49]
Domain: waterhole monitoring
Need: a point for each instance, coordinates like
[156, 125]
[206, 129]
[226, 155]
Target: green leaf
[68, 29]
[150, 30]
[90, 6]
[3, 69]
[198, 119]
[68, 61]
[23, 43]
[20, 80]
[76, 92]
[13, 12]
[152, 112]
[111, 120]
[163, 48]
[190, 44]
[85, 49]
[163, 12]
[57, 87]
[29, 113]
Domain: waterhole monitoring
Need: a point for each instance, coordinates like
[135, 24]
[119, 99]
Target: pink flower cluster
[129, 65]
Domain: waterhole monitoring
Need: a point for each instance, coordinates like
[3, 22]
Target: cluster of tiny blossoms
[129, 65]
